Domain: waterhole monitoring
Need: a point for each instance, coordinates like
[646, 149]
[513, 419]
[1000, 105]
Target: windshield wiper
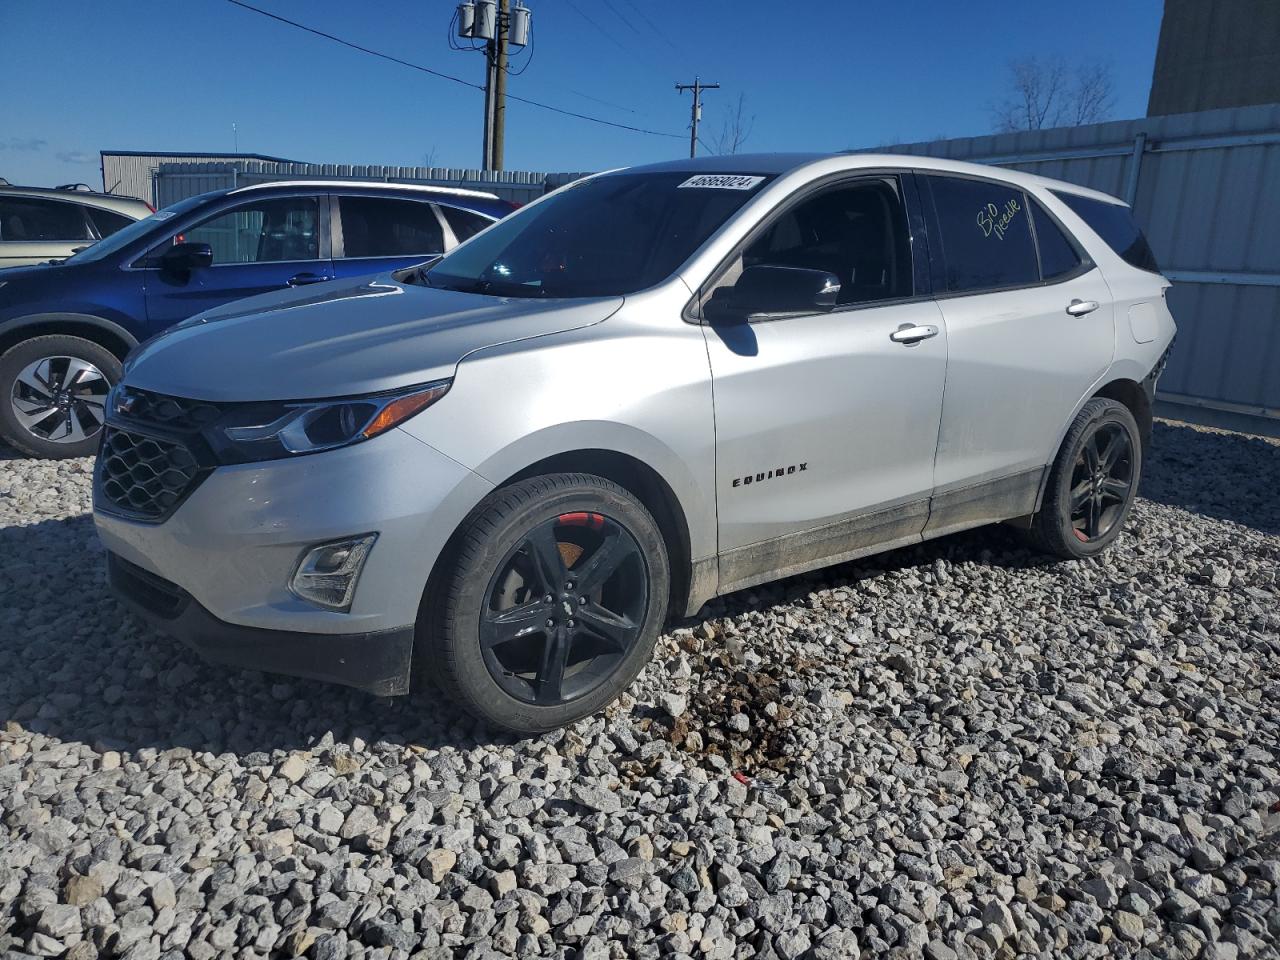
[493, 288]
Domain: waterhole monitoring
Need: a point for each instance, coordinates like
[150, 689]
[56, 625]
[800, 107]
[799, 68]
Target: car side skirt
[871, 532]
[847, 539]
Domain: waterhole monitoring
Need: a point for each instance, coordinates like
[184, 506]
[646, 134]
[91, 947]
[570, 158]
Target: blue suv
[66, 326]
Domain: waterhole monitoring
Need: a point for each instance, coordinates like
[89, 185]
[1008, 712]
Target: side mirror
[182, 258]
[764, 292]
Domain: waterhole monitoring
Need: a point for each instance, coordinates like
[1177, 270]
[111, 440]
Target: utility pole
[696, 113]
[501, 26]
[498, 137]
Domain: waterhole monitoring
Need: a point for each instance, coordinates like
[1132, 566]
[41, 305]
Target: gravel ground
[958, 749]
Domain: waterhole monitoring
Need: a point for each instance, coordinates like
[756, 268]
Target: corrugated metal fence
[1205, 188]
[176, 181]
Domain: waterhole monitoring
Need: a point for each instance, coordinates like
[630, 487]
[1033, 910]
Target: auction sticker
[722, 181]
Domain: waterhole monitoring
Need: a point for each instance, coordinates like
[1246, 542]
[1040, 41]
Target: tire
[495, 584]
[1086, 463]
[28, 373]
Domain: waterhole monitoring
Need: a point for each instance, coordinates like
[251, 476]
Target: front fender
[64, 319]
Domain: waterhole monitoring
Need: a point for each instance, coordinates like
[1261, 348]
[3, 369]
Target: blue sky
[78, 76]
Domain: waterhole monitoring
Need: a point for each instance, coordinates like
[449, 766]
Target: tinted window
[1114, 223]
[464, 223]
[856, 231]
[382, 227]
[107, 221]
[1057, 256]
[31, 219]
[152, 226]
[985, 234]
[599, 237]
[266, 231]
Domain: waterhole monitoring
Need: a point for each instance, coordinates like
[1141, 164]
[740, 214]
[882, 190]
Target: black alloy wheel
[1102, 481]
[564, 608]
[547, 603]
[1092, 483]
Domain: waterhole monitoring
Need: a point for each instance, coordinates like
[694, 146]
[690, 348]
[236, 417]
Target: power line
[652, 26]
[445, 76]
[595, 23]
[619, 14]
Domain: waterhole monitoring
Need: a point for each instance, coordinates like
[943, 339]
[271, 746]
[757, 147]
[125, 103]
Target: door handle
[1078, 308]
[302, 279]
[910, 333]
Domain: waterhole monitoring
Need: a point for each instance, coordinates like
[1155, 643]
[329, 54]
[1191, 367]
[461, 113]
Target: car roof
[131, 206]
[369, 185]
[781, 163]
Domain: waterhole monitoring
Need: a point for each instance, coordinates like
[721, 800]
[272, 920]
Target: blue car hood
[350, 338]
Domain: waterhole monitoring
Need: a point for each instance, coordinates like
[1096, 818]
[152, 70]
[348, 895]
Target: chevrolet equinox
[502, 470]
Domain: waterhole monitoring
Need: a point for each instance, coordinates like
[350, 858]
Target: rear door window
[386, 227]
[465, 224]
[1114, 223]
[1058, 255]
[984, 235]
[32, 219]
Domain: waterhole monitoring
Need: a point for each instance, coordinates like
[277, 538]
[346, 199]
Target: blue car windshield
[136, 230]
[602, 237]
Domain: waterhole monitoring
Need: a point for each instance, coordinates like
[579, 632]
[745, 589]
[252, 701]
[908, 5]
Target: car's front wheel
[554, 596]
[1092, 484]
[53, 395]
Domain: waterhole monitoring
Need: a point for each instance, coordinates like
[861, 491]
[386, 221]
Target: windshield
[606, 236]
[134, 231]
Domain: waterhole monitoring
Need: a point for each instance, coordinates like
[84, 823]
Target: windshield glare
[134, 231]
[606, 236]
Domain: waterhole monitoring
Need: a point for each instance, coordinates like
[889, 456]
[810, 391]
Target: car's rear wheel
[555, 593]
[1092, 484]
[53, 395]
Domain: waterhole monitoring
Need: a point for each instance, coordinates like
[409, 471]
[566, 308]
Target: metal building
[1205, 187]
[131, 173]
[1214, 54]
[177, 180]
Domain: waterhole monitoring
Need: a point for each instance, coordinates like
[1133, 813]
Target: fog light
[327, 574]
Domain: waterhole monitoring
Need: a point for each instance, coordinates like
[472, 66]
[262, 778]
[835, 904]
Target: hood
[351, 338]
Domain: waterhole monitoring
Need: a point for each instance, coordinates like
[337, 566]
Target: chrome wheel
[564, 609]
[1101, 481]
[60, 399]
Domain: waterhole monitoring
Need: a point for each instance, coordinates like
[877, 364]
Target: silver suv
[505, 469]
[39, 224]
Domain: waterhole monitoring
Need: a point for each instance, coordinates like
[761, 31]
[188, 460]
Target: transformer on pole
[499, 26]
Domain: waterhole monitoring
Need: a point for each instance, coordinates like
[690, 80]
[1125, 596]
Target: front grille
[173, 413]
[145, 477]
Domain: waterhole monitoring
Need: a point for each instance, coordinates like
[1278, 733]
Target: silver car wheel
[60, 399]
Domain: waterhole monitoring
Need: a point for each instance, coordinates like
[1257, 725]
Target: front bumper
[234, 542]
[378, 662]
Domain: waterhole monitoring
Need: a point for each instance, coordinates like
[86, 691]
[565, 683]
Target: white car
[503, 470]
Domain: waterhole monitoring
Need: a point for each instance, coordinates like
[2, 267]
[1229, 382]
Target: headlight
[269, 431]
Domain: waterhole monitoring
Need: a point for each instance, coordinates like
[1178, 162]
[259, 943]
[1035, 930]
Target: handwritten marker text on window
[993, 219]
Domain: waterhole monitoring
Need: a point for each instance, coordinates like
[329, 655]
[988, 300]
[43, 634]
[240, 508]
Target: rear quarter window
[107, 221]
[1114, 223]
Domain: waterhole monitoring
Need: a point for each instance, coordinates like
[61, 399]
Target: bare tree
[1047, 93]
[429, 158]
[1092, 94]
[735, 129]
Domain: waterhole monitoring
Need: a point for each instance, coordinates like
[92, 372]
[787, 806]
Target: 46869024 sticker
[722, 181]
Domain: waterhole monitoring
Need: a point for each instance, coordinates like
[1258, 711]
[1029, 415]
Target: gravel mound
[954, 750]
